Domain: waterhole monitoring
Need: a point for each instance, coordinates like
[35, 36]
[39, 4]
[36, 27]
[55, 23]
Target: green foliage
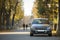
[50, 12]
[9, 10]
[0, 4]
[41, 10]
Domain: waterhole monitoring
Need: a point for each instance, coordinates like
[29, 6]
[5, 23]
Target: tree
[47, 9]
[59, 20]
[0, 12]
[15, 10]
[7, 9]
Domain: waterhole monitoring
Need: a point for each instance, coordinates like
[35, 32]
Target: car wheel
[50, 34]
[31, 34]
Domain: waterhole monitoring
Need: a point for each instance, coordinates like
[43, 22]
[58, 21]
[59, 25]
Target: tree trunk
[8, 14]
[0, 18]
[3, 13]
[8, 20]
[59, 22]
[13, 19]
[14, 13]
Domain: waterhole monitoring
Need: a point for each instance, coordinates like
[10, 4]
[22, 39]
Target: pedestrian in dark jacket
[23, 26]
[26, 26]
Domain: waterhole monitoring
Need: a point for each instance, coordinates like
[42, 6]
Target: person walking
[23, 26]
[26, 26]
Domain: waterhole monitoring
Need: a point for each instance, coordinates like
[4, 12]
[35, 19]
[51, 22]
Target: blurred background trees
[10, 11]
[47, 9]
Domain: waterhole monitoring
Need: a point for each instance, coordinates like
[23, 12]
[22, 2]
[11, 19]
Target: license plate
[41, 30]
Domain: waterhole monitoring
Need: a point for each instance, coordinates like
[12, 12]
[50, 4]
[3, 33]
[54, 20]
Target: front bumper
[41, 31]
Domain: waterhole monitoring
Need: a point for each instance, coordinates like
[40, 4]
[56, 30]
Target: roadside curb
[14, 32]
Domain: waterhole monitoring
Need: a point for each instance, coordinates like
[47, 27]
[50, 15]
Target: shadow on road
[39, 35]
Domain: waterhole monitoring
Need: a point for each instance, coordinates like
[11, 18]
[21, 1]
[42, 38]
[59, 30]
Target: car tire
[50, 34]
[31, 34]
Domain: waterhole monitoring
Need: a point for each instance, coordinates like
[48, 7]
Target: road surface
[26, 37]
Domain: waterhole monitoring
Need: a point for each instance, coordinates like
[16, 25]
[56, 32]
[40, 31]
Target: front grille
[41, 28]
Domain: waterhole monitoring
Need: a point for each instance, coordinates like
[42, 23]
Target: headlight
[33, 28]
[48, 28]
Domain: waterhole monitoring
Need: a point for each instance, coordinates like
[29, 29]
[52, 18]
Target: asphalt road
[26, 37]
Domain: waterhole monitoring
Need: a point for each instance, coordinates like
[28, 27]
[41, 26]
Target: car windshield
[40, 21]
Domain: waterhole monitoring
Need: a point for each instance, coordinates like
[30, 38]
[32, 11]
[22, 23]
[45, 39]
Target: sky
[28, 4]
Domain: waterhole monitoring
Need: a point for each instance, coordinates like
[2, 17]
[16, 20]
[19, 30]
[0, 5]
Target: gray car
[40, 26]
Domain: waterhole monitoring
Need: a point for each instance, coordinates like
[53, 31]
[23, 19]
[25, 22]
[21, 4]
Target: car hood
[40, 25]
